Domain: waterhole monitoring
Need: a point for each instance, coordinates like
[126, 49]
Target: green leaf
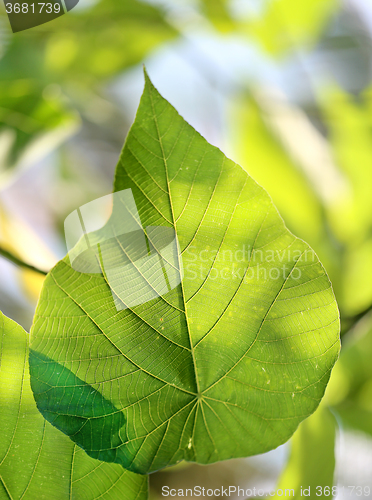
[350, 388]
[311, 464]
[36, 460]
[227, 363]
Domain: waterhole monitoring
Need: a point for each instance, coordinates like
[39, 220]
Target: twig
[18, 262]
[348, 323]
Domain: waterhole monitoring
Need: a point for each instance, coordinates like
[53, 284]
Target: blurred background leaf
[350, 389]
[288, 24]
[277, 25]
[311, 462]
[33, 122]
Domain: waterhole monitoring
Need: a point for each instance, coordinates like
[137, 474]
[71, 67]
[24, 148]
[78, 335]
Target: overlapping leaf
[227, 363]
[36, 460]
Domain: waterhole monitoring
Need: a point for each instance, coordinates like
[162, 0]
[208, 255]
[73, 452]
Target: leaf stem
[18, 262]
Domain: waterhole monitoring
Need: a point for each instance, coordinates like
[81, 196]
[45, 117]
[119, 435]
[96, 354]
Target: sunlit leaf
[225, 364]
[269, 158]
[36, 460]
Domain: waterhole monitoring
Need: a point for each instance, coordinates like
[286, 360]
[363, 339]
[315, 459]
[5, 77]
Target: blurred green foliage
[88, 44]
[47, 72]
[277, 25]
[28, 113]
[288, 24]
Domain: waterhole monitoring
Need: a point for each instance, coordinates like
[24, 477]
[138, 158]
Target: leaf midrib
[178, 248]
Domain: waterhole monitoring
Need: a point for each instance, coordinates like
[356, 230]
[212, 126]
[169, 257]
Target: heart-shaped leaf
[224, 364]
[36, 460]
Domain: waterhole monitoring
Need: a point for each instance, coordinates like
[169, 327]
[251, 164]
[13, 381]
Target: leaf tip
[148, 82]
[149, 89]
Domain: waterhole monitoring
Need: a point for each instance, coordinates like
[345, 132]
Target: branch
[18, 262]
[349, 322]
